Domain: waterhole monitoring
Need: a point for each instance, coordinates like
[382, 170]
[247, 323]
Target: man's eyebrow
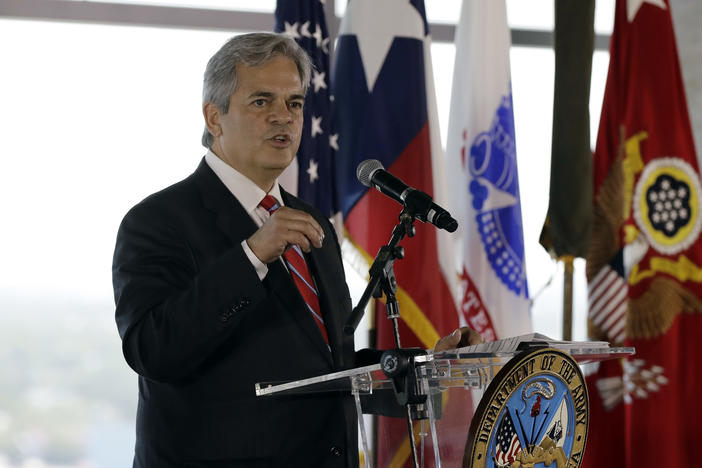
[268, 94]
[265, 94]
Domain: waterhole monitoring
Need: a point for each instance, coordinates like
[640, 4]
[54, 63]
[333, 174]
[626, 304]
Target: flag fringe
[355, 256]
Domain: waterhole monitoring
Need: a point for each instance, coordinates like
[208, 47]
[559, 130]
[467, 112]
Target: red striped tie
[300, 273]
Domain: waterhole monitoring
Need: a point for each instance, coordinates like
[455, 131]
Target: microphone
[371, 173]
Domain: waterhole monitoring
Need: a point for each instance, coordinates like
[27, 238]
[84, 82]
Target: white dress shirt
[249, 195]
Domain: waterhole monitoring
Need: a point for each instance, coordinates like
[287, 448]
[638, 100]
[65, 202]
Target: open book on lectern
[518, 343]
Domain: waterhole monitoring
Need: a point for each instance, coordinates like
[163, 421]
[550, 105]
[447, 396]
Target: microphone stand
[382, 277]
[397, 364]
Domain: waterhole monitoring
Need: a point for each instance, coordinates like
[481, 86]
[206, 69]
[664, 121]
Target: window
[94, 118]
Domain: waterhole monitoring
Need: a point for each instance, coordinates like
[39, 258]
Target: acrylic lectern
[532, 404]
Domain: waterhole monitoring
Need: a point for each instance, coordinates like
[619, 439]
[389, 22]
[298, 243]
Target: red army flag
[645, 262]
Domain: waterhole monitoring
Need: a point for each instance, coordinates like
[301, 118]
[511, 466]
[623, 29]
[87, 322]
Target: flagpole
[567, 297]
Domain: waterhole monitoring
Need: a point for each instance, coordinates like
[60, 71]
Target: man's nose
[280, 112]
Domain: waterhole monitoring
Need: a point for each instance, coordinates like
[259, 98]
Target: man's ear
[211, 113]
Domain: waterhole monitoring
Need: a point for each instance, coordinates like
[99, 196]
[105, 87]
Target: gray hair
[252, 50]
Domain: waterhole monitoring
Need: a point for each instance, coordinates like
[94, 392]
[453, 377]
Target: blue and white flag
[312, 177]
[482, 171]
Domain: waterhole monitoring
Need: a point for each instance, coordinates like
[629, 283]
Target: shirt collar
[244, 189]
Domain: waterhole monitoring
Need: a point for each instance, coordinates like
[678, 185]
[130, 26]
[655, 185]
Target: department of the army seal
[534, 414]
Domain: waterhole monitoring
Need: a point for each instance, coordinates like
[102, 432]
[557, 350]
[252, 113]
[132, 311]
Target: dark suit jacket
[201, 329]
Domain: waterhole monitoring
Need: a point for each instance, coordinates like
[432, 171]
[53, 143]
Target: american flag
[507, 445]
[304, 21]
[607, 301]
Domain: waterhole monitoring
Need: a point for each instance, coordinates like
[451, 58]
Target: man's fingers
[464, 336]
[300, 221]
[448, 342]
[469, 337]
[285, 228]
[299, 239]
[292, 229]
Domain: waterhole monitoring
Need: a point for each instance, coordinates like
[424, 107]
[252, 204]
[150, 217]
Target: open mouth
[281, 139]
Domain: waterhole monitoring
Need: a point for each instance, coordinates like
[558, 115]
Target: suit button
[336, 451]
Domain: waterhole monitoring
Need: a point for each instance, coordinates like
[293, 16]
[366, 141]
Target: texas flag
[385, 109]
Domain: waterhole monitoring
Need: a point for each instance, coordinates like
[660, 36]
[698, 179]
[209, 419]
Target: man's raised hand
[285, 228]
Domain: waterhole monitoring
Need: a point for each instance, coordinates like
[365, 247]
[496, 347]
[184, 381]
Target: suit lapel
[236, 223]
[319, 265]
[282, 285]
[232, 218]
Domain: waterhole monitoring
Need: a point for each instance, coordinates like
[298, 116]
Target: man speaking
[223, 280]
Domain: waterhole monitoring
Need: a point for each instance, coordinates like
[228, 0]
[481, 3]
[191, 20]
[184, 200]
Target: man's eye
[296, 105]
[259, 102]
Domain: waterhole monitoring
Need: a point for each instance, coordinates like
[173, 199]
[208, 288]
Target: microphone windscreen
[365, 170]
